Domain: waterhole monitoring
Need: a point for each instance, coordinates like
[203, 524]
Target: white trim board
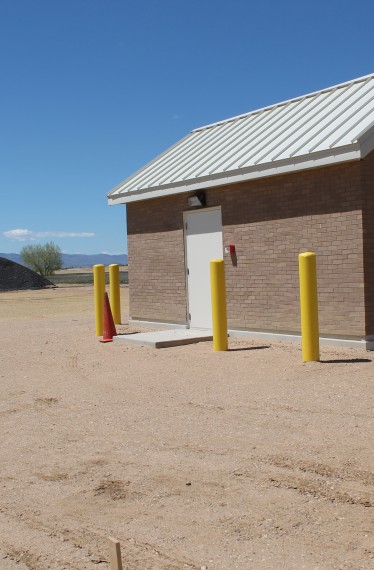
[156, 324]
[282, 167]
[365, 344]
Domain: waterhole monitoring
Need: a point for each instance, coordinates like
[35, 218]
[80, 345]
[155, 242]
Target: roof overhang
[349, 153]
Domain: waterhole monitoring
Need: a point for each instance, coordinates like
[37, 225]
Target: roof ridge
[285, 102]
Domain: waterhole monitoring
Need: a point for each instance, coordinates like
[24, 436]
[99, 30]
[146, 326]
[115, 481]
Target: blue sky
[91, 90]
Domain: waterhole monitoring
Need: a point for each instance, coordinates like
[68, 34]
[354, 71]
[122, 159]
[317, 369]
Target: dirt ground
[246, 459]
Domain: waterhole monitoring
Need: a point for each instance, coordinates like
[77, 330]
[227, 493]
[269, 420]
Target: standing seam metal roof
[327, 126]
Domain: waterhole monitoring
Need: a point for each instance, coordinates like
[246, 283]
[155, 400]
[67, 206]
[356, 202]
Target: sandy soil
[246, 459]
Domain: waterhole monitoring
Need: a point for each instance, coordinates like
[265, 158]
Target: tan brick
[270, 221]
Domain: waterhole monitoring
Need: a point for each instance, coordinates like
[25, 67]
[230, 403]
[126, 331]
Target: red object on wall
[232, 249]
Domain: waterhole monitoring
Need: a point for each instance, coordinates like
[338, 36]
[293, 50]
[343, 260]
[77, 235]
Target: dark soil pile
[14, 276]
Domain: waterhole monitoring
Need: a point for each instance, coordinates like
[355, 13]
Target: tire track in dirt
[27, 540]
[345, 472]
[39, 403]
[319, 489]
[9, 411]
[76, 548]
[342, 484]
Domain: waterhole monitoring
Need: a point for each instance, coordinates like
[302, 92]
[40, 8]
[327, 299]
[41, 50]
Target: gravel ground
[247, 459]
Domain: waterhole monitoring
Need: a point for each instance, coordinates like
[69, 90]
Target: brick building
[296, 176]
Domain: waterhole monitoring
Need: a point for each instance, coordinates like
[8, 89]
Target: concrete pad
[166, 338]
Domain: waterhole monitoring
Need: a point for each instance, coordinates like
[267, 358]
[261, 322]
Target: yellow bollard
[309, 307]
[219, 316]
[99, 289]
[114, 293]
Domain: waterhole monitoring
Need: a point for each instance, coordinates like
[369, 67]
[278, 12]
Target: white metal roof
[325, 127]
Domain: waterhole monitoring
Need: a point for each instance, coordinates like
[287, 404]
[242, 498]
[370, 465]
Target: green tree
[44, 259]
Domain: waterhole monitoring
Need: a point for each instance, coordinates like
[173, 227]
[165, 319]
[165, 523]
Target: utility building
[256, 190]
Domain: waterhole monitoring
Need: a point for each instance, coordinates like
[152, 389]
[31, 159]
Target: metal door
[203, 242]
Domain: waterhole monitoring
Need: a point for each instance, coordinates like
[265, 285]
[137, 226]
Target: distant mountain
[12, 256]
[78, 259]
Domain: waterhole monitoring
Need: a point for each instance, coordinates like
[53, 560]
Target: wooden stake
[115, 554]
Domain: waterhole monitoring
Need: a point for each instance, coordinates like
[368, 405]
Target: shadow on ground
[345, 361]
[248, 348]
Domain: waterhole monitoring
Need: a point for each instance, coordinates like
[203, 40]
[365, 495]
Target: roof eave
[306, 162]
[366, 140]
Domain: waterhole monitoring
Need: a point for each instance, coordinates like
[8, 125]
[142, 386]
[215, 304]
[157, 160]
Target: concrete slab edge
[131, 339]
[365, 343]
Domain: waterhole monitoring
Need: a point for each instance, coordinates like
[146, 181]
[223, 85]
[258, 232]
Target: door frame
[185, 214]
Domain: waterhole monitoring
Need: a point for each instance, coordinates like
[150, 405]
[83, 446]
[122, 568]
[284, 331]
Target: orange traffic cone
[109, 329]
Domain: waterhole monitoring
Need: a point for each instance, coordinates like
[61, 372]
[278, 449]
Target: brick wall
[368, 231]
[156, 260]
[270, 221]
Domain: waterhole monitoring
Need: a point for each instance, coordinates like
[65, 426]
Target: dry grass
[73, 270]
[60, 302]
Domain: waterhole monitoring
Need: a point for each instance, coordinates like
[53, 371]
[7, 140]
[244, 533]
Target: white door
[203, 239]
